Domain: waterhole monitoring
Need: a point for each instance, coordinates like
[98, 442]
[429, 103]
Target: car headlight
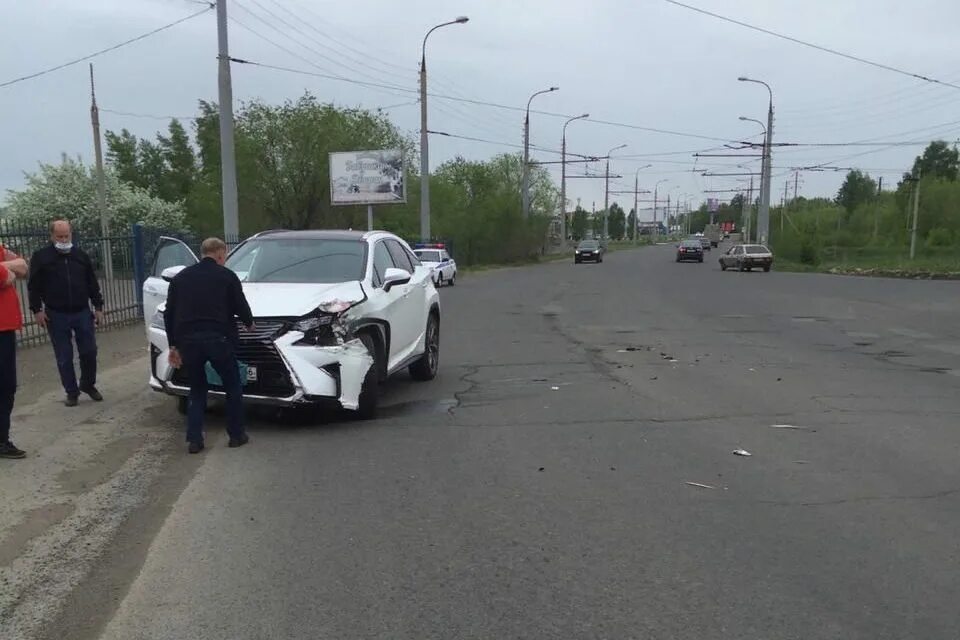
[157, 322]
[318, 330]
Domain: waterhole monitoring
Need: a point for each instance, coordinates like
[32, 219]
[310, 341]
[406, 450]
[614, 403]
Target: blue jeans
[196, 351]
[64, 328]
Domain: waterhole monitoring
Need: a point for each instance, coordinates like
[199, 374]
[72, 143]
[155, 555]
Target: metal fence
[120, 277]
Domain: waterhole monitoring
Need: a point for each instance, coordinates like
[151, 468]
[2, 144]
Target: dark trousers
[64, 327]
[8, 380]
[196, 351]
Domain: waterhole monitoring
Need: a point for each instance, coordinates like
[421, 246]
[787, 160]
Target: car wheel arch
[379, 330]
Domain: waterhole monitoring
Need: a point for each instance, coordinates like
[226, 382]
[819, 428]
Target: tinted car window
[429, 256]
[400, 257]
[381, 262]
[172, 254]
[300, 260]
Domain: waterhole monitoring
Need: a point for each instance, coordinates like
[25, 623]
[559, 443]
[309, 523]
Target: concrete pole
[228, 163]
[101, 184]
[606, 202]
[525, 186]
[424, 154]
[763, 224]
[563, 190]
[369, 217]
[636, 211]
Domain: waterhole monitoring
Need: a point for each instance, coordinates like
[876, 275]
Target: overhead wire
[848, 56]
[90, 56]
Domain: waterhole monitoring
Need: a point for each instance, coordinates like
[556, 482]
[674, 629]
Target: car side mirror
[170, 273]
[393, 277]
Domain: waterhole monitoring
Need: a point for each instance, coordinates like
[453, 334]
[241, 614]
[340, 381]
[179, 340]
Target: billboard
[367, 177]
[713, 204]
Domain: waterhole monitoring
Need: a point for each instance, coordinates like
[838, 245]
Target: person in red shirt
[12, 267]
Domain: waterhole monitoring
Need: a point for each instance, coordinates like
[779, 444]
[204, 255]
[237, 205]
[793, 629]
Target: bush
[808, 253]
[940, 237]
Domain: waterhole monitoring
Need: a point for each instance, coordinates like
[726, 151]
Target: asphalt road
[540, 487]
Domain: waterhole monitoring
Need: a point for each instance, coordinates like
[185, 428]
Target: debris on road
[742, 452]
[540, 469]
[789, 426]
[702, 486]
[801, 462]
[555, 388]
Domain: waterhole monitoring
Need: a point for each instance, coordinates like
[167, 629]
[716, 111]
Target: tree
[617, 222]
[858, 188]
[938, 160]
[631, 224]
[580, 223]
[68, 190]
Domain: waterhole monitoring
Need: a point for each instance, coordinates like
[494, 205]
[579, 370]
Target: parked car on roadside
[436, 258]
[588, 251]
[336, 313]
[690, 250]
[744, 257]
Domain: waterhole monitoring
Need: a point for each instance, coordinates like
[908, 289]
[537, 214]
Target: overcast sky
[637, 62]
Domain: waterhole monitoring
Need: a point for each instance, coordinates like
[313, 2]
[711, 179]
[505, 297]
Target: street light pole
[424, 142]
[763, 218]
[666, 221]
[606, 195]
[563, 181]
[525, 188]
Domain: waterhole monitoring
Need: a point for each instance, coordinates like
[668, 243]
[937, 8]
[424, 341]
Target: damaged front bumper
[281, 371]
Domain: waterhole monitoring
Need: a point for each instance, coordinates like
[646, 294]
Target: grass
[881, 261]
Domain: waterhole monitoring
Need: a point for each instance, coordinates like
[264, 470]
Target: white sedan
[438, 260]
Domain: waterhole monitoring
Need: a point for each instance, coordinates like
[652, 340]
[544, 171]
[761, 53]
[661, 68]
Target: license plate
[251, 374]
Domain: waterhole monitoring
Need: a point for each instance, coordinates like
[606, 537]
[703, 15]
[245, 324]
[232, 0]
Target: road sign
[367, 177]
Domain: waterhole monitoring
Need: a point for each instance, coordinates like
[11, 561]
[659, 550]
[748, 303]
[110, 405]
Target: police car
[438, 260]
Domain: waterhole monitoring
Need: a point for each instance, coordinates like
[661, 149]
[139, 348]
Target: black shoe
[195, 447]
[239, 442]
[72, 400]
[91, 391]
[9, 450]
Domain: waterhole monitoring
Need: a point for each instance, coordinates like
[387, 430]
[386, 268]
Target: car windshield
[588, 245]
[756, 248]
[428, 256]
[300, 260]
[691, 243]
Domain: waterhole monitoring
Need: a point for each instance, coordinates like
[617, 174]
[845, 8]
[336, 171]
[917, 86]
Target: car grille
[256, 349]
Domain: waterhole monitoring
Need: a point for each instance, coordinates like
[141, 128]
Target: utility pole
[563, 192]
[636, 211]
[228, 164]
[783, 209]
[876, 209]
[666, 213]
[743, 216]
[916, 213]
[525, 186]
[101, 183]
[606, 200]
[749, 224]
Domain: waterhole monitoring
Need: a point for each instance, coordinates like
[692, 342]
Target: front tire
[766, 269]
[453, 280]
[370, 391]
[723, 266]
[426, 367]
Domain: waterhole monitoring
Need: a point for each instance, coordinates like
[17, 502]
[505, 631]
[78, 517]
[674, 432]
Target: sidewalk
[88, 469]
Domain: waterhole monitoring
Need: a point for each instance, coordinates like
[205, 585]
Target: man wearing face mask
[62, 286]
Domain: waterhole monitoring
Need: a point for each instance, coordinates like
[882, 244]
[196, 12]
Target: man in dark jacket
[203, 303]
[62, 286]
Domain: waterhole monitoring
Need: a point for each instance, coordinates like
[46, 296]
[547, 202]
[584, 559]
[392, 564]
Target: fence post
[139, 272]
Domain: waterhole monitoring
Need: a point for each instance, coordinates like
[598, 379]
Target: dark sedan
[690, 250]
[588, 251]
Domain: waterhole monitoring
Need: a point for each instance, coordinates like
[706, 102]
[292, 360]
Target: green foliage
[858, 188]
[580, 223]
[940, 237]
[617, 222]
[939, 160]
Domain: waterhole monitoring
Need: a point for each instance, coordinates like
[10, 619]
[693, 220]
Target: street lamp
[763, 217]
[606, 193]
[424, 143]
[563, 180]
[666, 218]
[525, 189]
[636, 210]
[747, 213]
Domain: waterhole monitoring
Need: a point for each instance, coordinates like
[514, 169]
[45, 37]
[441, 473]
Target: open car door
[170, 257]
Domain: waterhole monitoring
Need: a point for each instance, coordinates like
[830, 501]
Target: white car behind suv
[436, 257]
[336, 312]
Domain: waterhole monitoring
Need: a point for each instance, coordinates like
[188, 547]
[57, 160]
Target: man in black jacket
[62, 286]
[203, 303]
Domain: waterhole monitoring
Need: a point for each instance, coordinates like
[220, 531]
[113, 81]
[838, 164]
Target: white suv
[336, 312]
